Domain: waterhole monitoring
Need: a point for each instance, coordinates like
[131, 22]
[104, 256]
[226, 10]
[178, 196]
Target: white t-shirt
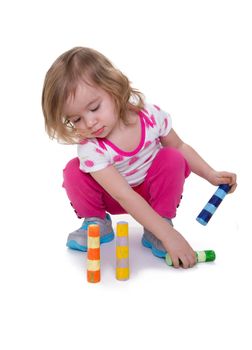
[97, 153]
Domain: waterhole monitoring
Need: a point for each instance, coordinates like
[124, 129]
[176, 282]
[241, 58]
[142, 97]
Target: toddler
[130, 159]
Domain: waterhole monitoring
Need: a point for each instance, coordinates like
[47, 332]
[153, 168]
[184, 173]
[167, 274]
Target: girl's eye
[76, 121]
[95, 109]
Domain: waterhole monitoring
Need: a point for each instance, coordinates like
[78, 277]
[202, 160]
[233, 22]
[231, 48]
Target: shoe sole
[154, 250]
[76, 246]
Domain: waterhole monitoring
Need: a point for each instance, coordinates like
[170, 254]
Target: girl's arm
[198, 164]
[175, 244]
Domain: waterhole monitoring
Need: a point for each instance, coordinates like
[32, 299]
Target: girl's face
[91, 111]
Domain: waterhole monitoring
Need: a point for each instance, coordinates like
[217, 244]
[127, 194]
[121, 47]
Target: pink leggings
[162, 187]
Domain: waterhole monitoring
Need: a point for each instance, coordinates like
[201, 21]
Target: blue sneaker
[78, 239]
[152, 242]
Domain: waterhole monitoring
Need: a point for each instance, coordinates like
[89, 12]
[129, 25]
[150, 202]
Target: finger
[175, 262]
[233, 188]
[226, 173]
[225, 180]
[226, 177]
[192, 259]
[232, 179]
[184, 262]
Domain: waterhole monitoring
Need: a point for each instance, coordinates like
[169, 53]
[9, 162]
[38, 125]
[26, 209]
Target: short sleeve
[162, 120]
[92, 157]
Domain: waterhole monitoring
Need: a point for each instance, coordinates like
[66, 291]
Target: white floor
[198, 59]
[47, 302]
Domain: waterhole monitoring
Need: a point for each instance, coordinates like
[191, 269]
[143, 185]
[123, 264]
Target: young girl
[130, 159]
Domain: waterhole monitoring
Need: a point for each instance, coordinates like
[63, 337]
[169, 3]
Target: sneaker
[152, 242]
[78, 239]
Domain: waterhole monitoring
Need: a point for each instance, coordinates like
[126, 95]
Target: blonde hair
[65, 74]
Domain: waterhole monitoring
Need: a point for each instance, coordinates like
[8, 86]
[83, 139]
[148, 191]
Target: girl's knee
[71, 172]
[171, 158]
[71, 167]
[171, 155]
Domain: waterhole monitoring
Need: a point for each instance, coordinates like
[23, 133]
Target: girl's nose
[91, 122]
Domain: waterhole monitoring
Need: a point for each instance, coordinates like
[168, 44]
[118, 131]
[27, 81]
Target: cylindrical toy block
[93, 254]
[213, 203]
[122, 251]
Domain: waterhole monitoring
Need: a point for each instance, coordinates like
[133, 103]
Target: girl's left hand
[223, 177]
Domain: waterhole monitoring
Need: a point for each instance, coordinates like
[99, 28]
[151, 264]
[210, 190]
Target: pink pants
[162, 187]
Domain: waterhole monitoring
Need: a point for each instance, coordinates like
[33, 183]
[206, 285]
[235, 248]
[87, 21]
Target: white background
[193, 58]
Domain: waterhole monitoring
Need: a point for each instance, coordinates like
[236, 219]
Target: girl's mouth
[98, 132]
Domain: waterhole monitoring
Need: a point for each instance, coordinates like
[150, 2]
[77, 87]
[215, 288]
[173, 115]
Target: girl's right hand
[179, 250]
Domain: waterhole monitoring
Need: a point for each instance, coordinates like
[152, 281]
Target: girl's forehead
[83, 94]
[85, 89]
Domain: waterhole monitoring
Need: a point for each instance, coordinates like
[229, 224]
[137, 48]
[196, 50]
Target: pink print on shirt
[132, 172]
[133, 160]
[148, 143]
[153, 120]
[166, 123]
[118, 158]
[99, 151]
[89, 163]
[83, 142]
